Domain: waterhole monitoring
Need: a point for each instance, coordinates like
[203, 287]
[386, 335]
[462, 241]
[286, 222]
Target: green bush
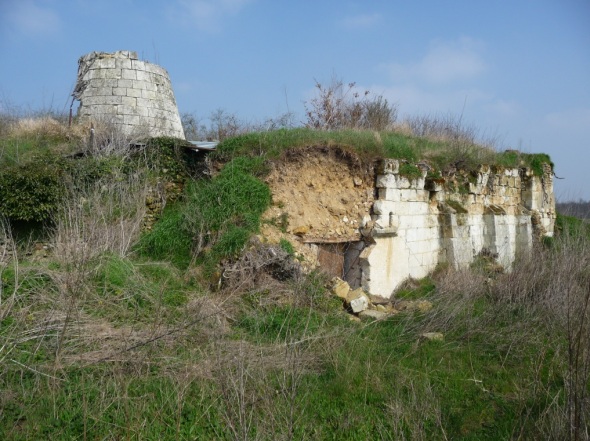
[31, 192]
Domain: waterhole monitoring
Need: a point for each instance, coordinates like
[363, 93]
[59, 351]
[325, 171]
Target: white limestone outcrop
[419, 223]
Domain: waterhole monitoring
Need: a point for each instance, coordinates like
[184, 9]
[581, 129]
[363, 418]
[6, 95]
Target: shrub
[342, 107]
[31, 192]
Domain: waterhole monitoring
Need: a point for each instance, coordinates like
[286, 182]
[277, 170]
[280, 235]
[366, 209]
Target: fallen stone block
[355, 294]
[373, 314]
[359, 304]
[340, 287]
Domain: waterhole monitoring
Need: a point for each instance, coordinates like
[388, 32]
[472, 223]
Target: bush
[31, 192]
[342, 107]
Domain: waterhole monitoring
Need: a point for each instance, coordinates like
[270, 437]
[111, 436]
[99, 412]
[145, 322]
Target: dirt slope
[320, 194]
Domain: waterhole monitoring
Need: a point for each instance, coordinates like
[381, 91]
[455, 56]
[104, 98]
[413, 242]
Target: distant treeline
[580, 209]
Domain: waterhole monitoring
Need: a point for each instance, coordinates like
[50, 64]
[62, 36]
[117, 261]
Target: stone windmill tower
[134, 95]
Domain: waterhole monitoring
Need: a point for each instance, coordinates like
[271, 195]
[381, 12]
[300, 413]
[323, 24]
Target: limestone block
[422, 196]
[373, 314]
[106, 109]
[103, 83]
[381, 207]
[403, 182]
[123, 83]
[408, 195]
[128, 74]
[93, 100]
[142, 112]
[135, 93]
[142, 102]
[140, 85]
[421, 246]
[148, 94]
[129, 101]
[133, 120]
[388, 166]
[411, 208]
[430, 260]
[390, 194]
[110, 100]
[418, 271]
[386, 181]
[406, 221]
[123, 63]
[142, 75]
[122, 91]
[359, 304]
[340, 288]
[112, 73]
[418, 183]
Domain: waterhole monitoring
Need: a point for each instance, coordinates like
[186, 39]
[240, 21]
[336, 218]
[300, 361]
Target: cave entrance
[342, 259]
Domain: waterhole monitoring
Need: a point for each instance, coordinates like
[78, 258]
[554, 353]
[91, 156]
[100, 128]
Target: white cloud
[31, 18]
[206, 15]
[444, 62]
[361, 21]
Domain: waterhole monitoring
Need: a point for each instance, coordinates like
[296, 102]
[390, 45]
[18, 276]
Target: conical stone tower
[134, 95]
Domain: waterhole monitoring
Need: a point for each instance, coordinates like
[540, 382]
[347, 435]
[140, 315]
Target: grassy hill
[137, 303]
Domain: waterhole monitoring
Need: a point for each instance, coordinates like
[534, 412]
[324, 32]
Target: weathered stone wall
[419, 223]
[135, 95]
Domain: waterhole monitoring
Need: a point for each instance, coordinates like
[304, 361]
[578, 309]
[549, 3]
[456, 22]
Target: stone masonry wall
[135, 95]
[419, 223]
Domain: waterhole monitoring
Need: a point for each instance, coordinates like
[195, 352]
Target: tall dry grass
[543, 302]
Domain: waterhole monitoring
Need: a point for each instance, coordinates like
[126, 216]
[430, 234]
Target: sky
[517, 70]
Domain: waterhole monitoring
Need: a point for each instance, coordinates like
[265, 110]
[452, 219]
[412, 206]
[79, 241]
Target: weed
[410, 171]
[168, 239]
[343, 107]
[287, 247]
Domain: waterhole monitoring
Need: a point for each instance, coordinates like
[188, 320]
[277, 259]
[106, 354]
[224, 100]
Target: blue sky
[519, 70]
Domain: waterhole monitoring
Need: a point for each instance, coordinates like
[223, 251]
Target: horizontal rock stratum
[134, 95]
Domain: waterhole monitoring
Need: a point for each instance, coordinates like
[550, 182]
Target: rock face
[398, 228]
[134, 95]
[419, 223]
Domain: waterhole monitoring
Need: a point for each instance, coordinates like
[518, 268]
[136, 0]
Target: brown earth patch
[320, 194]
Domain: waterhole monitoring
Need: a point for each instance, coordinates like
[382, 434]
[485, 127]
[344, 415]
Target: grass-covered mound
[110, 330]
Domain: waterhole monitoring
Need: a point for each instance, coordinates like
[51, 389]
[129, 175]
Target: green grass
[371, 145]
[149, 353]
[494, 376]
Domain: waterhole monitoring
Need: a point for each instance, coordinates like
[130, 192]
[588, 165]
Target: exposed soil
[320, 194]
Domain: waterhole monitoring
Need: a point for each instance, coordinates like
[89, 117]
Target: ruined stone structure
[134, 95]
[375, 228]
[419, 223]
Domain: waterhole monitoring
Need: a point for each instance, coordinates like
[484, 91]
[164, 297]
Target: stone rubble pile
[365, 305]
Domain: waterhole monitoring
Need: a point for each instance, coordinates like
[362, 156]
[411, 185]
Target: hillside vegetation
[138, 302]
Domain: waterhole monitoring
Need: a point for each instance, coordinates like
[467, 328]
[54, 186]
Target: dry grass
[546, 290]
